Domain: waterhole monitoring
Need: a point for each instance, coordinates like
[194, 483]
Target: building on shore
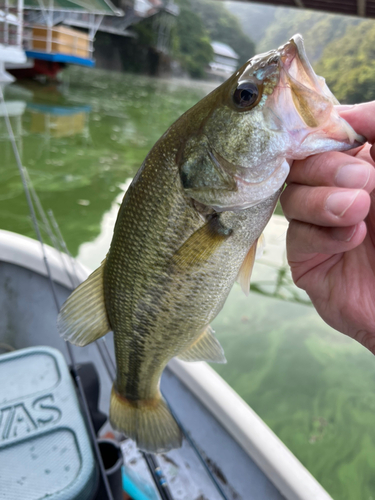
[225, 61]
[55, 33]
[11, 46]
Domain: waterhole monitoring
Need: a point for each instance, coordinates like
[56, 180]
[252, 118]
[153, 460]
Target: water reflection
[59, 121]
[80, 141]
[92, 253]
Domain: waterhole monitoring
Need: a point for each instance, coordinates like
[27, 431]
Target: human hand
[330, 202]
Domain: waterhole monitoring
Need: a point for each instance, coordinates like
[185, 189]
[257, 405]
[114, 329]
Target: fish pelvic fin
[83, 317]
[205, 348]
[148, 422]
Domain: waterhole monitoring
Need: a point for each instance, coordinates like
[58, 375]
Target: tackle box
[45, 449]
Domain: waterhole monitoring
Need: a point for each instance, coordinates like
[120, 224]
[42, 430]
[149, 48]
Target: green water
[81, 143]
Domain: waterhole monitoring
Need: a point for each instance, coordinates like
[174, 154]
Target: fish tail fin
[148, 422]
[83, 316]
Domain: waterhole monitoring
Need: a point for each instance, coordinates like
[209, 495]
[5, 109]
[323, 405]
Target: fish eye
[246, 95]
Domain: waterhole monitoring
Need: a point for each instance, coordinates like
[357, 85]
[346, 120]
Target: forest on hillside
[341, 48]
[199, 23]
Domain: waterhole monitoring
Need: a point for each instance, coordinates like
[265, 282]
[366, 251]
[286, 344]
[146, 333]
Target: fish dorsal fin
[205, 348]
[83, 317]
[244, 274]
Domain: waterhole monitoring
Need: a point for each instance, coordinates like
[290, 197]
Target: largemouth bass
[188, 228]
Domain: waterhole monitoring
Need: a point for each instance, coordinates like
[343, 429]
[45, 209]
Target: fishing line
[108, 363]
[54, 294]
[111, 375]
[47, 226]
[60, 238]
[109, 355]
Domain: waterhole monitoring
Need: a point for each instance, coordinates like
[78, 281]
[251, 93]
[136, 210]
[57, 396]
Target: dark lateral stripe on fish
[146, 316]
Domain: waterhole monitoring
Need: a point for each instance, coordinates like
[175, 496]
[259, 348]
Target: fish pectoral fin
[148, 422]
[83, 317]
[205, 348]
[244, 274]
[202, 244]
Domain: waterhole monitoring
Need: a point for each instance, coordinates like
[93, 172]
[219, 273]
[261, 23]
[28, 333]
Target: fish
[189, 225]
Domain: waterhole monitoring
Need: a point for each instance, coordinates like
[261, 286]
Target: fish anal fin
[205, 348]
[148, 422]
[201, 244]
[244, 274]
[83, 317]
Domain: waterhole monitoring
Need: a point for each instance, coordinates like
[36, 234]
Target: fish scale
[188, 227]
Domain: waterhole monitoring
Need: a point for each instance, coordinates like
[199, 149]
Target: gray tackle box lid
[45, 450]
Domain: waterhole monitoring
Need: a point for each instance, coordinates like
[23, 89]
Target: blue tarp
[63, 58]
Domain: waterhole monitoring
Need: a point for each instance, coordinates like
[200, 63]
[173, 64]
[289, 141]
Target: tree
[225, 27]
[192, 45]
[254, 17]
[318, 29]
[348, 64]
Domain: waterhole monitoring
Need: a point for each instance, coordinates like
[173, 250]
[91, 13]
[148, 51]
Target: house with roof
[225, 61]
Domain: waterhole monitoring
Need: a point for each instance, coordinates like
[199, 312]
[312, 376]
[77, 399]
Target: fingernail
[338, 203]
[344, 107]
[343, 233]
[352, 176]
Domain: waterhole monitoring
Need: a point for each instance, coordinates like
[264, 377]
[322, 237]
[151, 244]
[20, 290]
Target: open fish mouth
[304, 104]
[295, 62]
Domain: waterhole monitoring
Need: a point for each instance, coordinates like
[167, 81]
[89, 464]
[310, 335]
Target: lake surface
[82, 142]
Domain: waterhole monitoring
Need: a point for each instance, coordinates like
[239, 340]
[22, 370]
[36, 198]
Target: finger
[362, 118]
[306, 240]
[333, 169]
[325, 206]
[365, 153]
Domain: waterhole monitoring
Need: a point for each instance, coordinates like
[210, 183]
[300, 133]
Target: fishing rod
[199, 454]
[158, 476]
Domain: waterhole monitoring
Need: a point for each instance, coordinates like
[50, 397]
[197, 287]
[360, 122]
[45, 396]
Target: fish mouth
[312, 100]
[295, 63]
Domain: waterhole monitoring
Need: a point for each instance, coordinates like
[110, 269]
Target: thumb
[361, 117]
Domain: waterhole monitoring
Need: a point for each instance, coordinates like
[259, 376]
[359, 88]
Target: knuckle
[366, 338]
[318, 166]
